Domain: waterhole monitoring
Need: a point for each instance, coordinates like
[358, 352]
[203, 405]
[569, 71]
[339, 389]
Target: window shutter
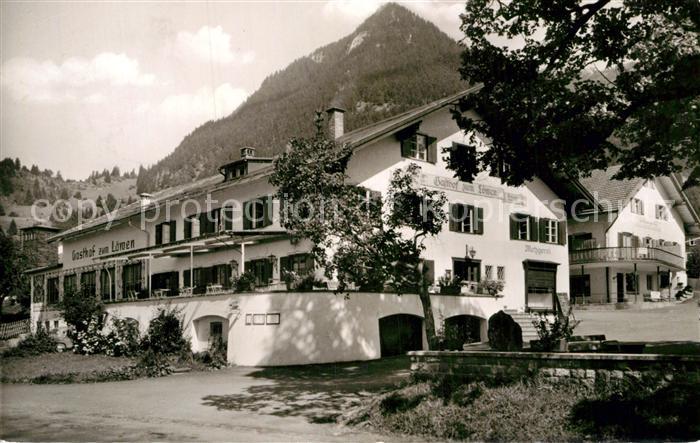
[533, 228]
[247, 214]
[310, 266]
[159, 234]
[173, 231]
[513, 227]
[227, 218]
[479, 212]
[267, 210]
[406, 146]
[635, 241]
[561, 232]
[542, 230]
[432, 149]
[284, 263]
[454, 215]
[267, 272]
[429, 271]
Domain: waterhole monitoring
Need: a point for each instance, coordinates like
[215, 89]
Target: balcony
[628, 254]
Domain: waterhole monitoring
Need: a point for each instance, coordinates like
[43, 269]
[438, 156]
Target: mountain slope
[393, 61]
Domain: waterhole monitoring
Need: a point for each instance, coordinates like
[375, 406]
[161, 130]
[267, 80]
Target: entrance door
[620, 287]
[461, 329]
[400, 333]
[540, 284]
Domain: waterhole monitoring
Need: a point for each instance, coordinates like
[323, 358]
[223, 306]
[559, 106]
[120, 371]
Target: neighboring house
[187, 262]
[627, 240]
[35, 239]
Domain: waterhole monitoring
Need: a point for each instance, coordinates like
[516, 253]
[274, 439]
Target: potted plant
[492, 287]
[448, 286]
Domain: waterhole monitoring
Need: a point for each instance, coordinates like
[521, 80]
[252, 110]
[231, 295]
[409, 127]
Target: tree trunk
[428, 319]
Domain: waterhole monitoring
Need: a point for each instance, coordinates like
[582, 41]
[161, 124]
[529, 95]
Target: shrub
[492, 287]
[165, 335]
[33, 344]
[89, 339]
[78, 311]
[153, 364]
[215, 356]
[123, 339]
[551, 332]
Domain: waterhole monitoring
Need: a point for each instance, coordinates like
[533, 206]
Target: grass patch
[449, 408]
[67, 368]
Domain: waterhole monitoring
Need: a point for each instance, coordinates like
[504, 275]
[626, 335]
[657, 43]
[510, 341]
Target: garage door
[400, 333]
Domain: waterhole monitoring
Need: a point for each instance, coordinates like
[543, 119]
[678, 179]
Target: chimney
[247, 152]
[145, 199]
[335, 122]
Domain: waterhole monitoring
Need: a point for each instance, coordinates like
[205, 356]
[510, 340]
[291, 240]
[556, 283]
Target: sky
[89, 85]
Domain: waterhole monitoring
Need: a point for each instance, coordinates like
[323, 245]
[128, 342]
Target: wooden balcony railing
[626, 254]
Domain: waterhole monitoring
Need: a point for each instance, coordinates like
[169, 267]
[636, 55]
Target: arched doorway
[400, 333]
[209, 331]
[462, 329]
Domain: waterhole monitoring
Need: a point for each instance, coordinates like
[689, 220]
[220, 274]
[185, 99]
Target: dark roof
[41, 227]
[371, 132]
[44, 268]
[610, 194]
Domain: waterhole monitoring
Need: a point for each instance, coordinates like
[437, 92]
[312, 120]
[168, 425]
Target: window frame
[661, 212]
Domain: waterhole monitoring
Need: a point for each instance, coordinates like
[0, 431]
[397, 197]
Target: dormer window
[419, 147]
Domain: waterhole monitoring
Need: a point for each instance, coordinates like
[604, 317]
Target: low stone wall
[490, 365]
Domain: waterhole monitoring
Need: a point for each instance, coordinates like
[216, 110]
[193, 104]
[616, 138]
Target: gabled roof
[393, 124]
[608, 193]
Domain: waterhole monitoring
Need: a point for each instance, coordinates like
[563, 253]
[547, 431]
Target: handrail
[626, 253]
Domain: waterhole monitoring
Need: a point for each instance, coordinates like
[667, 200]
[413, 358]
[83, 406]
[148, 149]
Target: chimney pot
[145, 199]
[336, 122]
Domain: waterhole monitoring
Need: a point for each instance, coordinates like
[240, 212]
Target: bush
[215, 356]
[78, 310]
[33, 344]
[550, 333]
[89, 339]
[123, 339]
[153, 364]
[165, 335]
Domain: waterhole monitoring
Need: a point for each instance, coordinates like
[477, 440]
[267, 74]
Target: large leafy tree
[14, 260]
[358, 239]
[574, 85]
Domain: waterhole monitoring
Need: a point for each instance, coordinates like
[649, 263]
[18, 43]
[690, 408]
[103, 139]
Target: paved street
[239, 404]
[678, 322]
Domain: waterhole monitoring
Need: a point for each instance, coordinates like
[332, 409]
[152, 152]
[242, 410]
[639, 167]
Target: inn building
[187, 250]
[627, 241]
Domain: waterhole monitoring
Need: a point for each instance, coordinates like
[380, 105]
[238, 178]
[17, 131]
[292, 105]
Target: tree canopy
[358, 239]
[572, 86]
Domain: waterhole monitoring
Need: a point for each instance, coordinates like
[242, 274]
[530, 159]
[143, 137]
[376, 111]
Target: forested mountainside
[392, 62]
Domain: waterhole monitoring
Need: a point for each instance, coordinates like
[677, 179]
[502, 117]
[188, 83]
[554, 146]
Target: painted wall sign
[452, 184]
[537, 251]
[95, 251]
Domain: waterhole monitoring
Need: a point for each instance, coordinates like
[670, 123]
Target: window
[466, 218]
[488, 272]
[69, 283]
[52, 291]
[631, 283]
[131, 280]
[550, 231]
[523, 227]
[301, 264]
[87, 284]
[650, 282]
[166, 232]
[191, 227]
[637, 206]
[107, 284]
[466, 270]
[419, 147]
[213, 275]
[261, 269]
[661, 213]
[216, 330]
[209, 221]
[166, 280]
[501, 273]
[257, 213]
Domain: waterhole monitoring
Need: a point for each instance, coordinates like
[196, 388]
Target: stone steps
[525, 321]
